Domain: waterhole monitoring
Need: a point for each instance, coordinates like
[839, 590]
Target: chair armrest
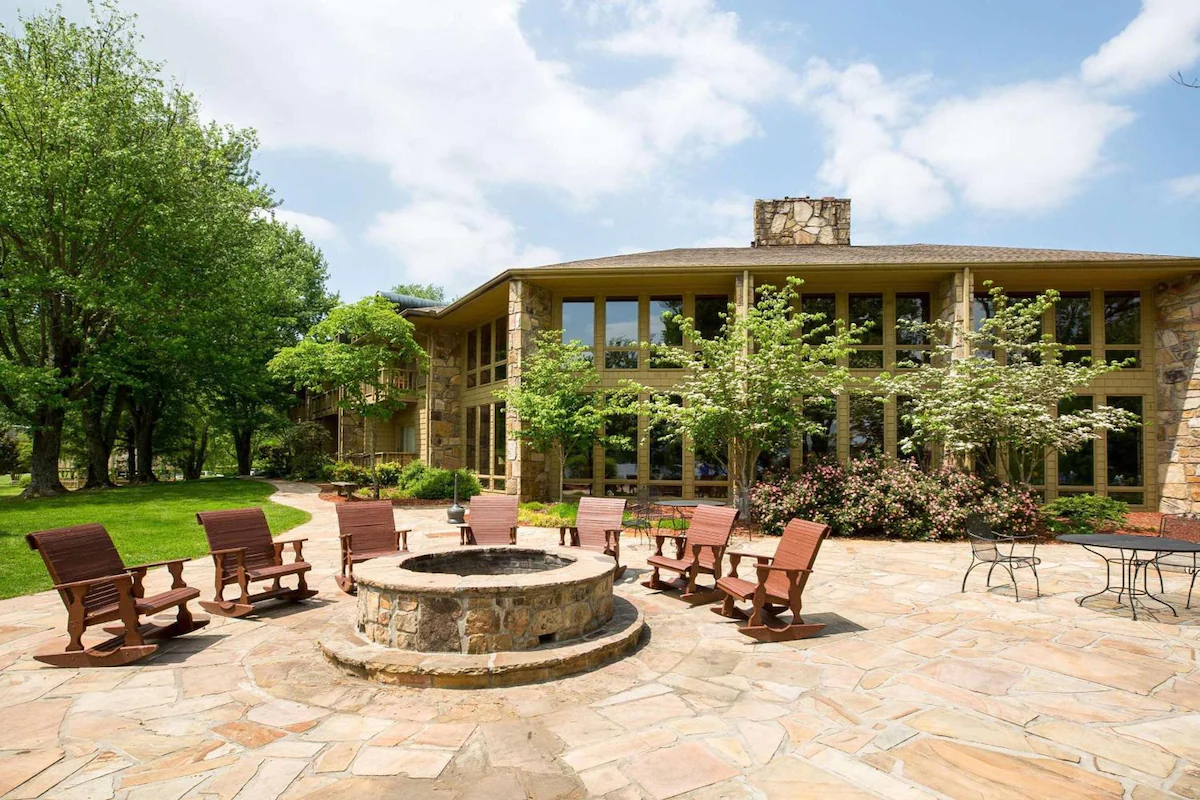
[174, 566]
[153, 564]
[659, 538]
[736, 556]
[748, 554]
[297, 547]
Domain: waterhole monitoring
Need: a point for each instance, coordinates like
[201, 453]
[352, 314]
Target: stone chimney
[801, 220]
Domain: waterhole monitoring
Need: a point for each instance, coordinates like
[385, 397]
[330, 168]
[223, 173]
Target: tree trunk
[144, 420]
[100, 434]
[47, 447]
[242, 439]
[193, 465]
[561, 454]
[374, 467]
[130, 453]
[743, 483]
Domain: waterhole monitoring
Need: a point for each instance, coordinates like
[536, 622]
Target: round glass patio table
[1128, 548]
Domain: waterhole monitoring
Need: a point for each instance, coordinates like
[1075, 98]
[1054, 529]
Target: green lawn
[147, 523]
[553, 515]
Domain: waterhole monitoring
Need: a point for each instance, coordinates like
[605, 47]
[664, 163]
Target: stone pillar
[443, 400]
[528, 312]
[1177, 362]
[954, 301]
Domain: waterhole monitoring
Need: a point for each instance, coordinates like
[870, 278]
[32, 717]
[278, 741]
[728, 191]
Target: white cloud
[1184, 187]
[454, 244]
[314, 227]
[861, 113]
[1019, 148]
[1161, 40]
[452, 99]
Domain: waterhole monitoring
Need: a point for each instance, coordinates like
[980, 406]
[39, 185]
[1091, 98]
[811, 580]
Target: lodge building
[1114, 306]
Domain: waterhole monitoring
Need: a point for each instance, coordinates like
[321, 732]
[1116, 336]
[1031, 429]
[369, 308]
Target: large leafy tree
[743, 392]
[280, 296]
[556, 400]
[119, 212]
[1001, 403]
[358, 349]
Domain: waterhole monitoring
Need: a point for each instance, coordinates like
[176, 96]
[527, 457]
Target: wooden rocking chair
[492, 520]
[597, 527]
[240, 543]
[97, 587]
[367, 530]
[780, 584]
[697, 551]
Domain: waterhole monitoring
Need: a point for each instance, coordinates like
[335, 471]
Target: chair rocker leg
[345, 580]
[301, 592]
[113, 653]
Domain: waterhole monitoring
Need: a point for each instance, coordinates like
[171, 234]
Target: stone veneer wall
[529, 311]
[954, 294]
[801, 220]
[444, 399]
[1177, 359]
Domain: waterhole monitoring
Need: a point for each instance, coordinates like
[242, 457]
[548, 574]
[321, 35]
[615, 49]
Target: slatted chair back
[492, 518]
[597, 515]
[797, 550]
[1174, 526]
[711, 525]
[80, 553]
[372, 523]
[239, 527]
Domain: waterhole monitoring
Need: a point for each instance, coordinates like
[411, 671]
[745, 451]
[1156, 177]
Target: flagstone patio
[915, 691]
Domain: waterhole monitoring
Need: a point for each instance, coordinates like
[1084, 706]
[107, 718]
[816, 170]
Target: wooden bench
[243, 552]
[492, 520]
[97, 587]
[597, 527]
[779, 583]
[367, 530]
[698, 551]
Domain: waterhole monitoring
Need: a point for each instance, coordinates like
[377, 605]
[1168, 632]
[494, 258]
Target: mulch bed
[406, 502]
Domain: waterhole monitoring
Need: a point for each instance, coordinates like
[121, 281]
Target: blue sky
[443, 142]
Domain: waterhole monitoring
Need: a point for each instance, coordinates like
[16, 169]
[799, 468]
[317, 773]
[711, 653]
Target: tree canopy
[1006, 402]
[556, 399]
[744, 391]
[134, 261]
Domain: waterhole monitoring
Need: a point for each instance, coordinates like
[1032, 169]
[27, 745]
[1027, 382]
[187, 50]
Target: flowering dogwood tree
[1003, 402]
[744, 391]
[556, 400]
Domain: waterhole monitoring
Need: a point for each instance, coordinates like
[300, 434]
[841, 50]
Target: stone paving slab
[915, 691]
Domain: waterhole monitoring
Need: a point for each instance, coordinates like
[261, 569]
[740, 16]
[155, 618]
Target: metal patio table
[1128, 547]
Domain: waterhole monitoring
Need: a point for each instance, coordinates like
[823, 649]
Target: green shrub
[389, 474]
[296, 453]
[436, 483]
[1084, 513]
[344, 471]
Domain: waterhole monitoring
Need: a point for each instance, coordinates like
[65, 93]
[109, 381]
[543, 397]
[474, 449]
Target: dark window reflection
[1077, 468]
[1125, 449]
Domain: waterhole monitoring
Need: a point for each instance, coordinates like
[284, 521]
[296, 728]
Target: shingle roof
[848, 254]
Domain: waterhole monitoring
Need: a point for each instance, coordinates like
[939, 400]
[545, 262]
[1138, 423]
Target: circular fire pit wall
[484, 599]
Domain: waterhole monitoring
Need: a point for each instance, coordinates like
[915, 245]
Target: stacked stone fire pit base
[483, 616]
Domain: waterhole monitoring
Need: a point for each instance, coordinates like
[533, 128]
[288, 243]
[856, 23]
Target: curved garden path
[916, 691]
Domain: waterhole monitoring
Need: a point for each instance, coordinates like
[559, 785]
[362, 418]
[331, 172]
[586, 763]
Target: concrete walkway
[915, 691]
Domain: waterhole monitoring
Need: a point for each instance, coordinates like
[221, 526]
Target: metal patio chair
[998, 550]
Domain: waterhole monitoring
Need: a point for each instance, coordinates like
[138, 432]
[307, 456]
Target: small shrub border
[885, 497]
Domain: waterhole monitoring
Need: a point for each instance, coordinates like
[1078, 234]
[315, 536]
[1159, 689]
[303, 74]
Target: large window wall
[485, 430]
[1107, 324]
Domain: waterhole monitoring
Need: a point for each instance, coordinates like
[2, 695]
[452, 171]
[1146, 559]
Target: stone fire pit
[483, 599]
[480, 616]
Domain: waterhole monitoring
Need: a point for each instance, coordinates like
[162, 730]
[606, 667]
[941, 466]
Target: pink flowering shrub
[885, 497]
